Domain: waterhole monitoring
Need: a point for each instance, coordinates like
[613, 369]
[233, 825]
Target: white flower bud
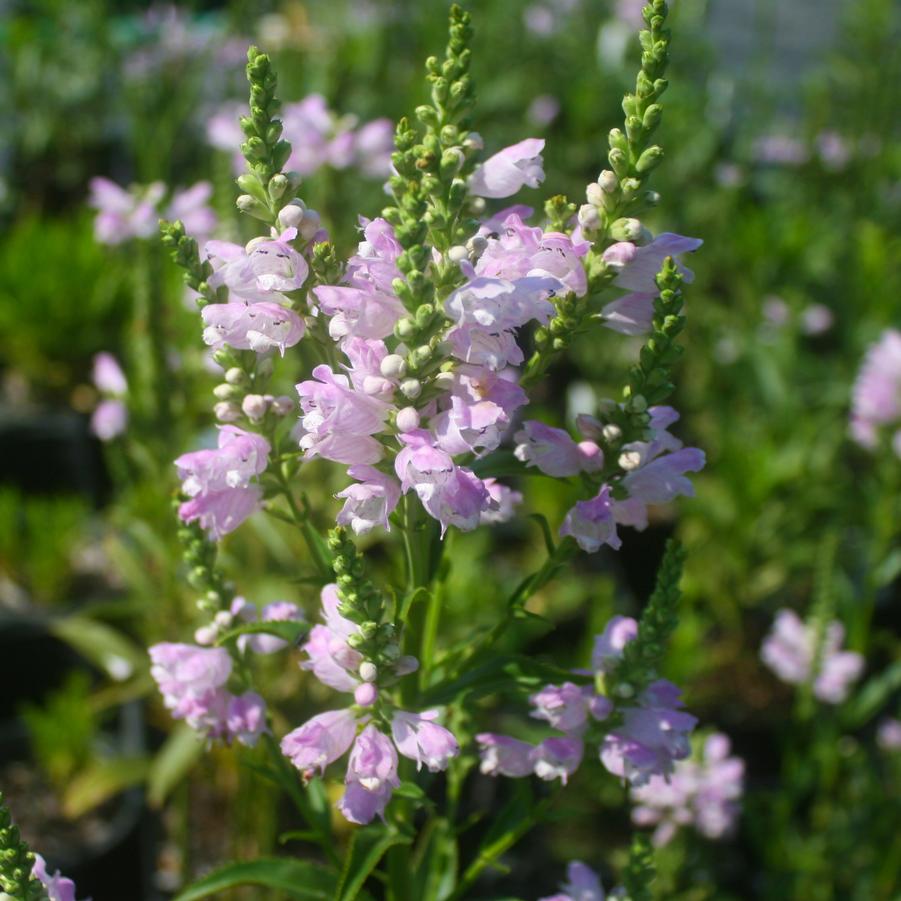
[291, 216]
[457, 253]
[589, 217]
[627, 229]
[444, 380]
[206, 635]
[629, 460]
[411, 388]
[393, 366]
[223, 619]
[246, 203]
[611, 433]
[224, 392]
[235, 376]
[624, 690]
[407, 419]
[594, 194]
[226, 411]
[608, 181]
[254, 407]
[368, 671]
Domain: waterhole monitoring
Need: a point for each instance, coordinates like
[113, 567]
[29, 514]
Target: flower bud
[637, 403]
[368, 671]
[393, 366]
[223, 619]
[611, 433]
[254, 407]
[225, 391]
[650, 159]
[278, 184]
[625, 229]
[291, 216]
[474, 141]
[588, 217]
[457, 253]
[608, 181]
[476, 245]
[235, 376]
[594, 194]
[405, 327]
[411, 388]
[366, 694]
[225, 411]
[206, 635]
[407, 419]
[629, 460]
[309, 225]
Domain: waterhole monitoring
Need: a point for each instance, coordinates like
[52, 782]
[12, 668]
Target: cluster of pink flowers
[110, 416]
[350, 418]
[704, 793]
[192, 681]
[876, 401]
[218, 482]
[318, 136]
[651, 737]
[372, 766]
[125, 215]
[650, 472]
[582, 884]
[791, 651]
[257, 315]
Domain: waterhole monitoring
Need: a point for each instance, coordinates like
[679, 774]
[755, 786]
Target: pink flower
[703, 793]
[498, 305]
[790, 651]
[418, 737]
[373, 146]
[218, 481]
[876, 399]
[339, 422]
[108, 376]
[557, 758]
[256, 326]
[109, 419]
[638, 268]
[371, 777]
[191, 208]
[57, 887]
[370, 501]
[332, 660]
[359, 312]
[554, 452]
[123, 215]
[365, 370]
[609, 645]
[582, 885]
[246, 718]
[501, 502]
[520, 250]
[563, 706]
[503, 174]
[592, 524]
[653, 735]
[263, 271]
[504, 756]
[320, 741]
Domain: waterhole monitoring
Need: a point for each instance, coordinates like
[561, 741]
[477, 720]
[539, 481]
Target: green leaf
[412, 792]
[367, 847]
[414, 597]
[100, 781]
[436, 872]
[503, 463]
[300, 879]
[172, 763]
[104, 646]
[289, 630]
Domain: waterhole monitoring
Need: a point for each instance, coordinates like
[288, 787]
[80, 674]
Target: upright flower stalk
[411, 350]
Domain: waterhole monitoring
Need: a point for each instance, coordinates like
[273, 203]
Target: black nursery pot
[109, 855]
